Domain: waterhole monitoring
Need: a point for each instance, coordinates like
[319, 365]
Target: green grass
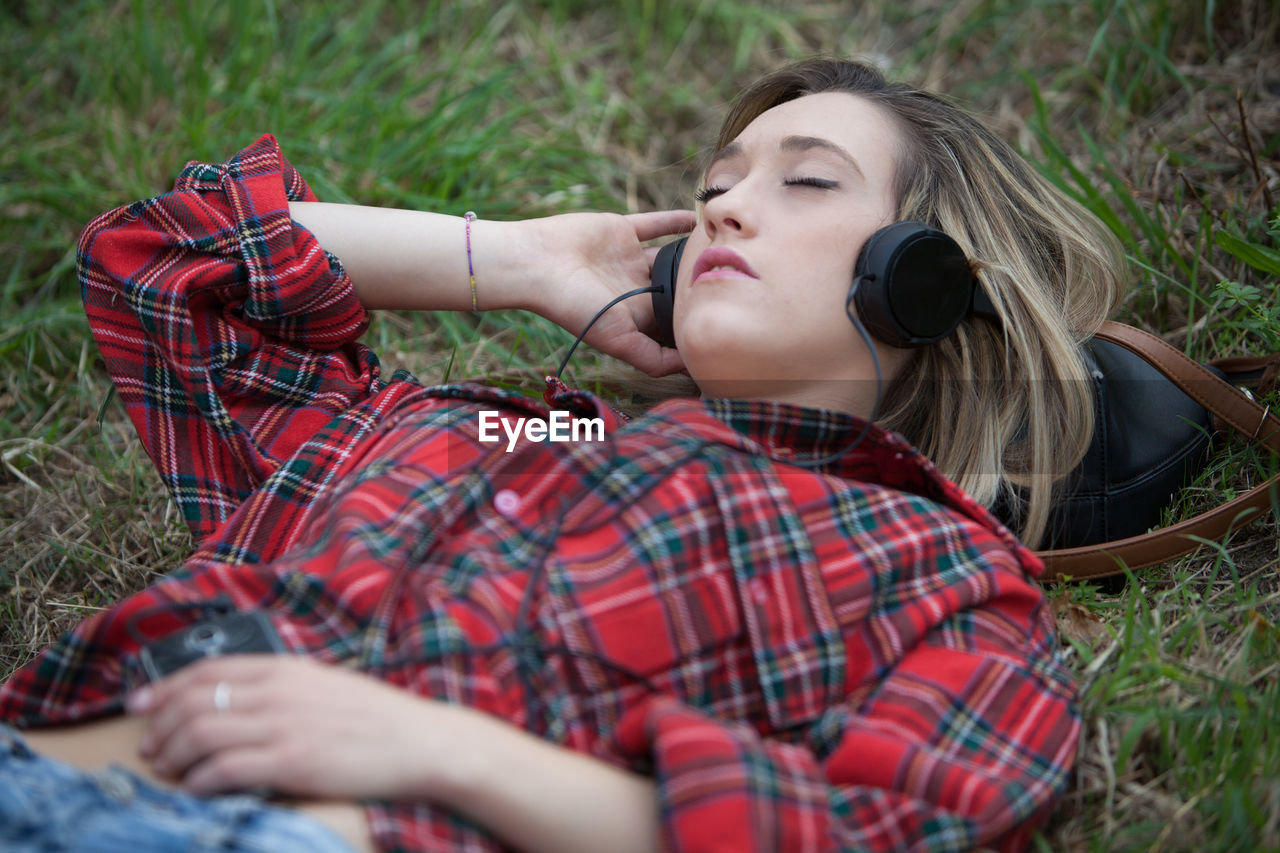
[524, 108]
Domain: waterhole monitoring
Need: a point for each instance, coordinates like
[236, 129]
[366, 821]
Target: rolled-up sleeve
[229, 332]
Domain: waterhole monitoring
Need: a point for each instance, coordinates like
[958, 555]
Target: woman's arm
[310, 730]
[415, 260]
[537, 796]
[231, 332]
[564, 268]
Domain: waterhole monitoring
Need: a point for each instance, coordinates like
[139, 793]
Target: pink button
[506, 502]
[759, 594]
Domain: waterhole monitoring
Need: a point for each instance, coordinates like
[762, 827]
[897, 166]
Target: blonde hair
[1003, 409]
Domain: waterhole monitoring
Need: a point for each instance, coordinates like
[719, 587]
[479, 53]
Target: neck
[853, 397]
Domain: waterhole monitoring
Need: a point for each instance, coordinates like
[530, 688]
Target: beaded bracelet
[470, 217]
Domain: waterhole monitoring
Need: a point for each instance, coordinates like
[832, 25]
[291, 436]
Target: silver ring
[222, 697]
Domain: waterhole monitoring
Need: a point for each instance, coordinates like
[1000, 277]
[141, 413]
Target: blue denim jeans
[48, 805]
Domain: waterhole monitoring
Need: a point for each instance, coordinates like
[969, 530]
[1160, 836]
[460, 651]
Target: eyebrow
[792, 143]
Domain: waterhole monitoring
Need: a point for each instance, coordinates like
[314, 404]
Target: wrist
[453, 745]
[506, 257]
[530, 792]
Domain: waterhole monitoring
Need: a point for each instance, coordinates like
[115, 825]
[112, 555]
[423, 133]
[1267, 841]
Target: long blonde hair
[1004, 409]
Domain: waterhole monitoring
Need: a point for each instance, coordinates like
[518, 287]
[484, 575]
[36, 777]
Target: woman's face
[766, 272]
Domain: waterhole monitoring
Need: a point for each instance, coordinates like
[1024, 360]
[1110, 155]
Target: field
[1163, 117]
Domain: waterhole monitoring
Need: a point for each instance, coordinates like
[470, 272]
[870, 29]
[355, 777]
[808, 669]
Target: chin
[719, 335]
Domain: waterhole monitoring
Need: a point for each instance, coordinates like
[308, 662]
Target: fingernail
[140, 700]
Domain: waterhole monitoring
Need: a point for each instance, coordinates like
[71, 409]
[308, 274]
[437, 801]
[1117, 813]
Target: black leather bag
[1156, 412]
[1149, 440]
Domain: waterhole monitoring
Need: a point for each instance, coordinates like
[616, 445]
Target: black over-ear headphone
[912, 286]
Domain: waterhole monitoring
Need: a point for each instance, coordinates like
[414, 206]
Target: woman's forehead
[838, 123]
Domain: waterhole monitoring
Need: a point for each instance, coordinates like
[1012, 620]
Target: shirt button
[759, 594]
[506, 502]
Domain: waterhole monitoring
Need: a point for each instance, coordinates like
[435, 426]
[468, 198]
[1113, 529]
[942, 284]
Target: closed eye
[705, 194]
[820, 183]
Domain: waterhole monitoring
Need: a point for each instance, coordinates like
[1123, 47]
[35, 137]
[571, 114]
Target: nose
[729, 212]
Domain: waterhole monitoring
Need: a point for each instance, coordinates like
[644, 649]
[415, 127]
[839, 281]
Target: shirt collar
[791, 433]
[787, 431]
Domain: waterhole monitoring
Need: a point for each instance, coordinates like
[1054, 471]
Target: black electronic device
[663, 278]
[912, 286]
[231, 633]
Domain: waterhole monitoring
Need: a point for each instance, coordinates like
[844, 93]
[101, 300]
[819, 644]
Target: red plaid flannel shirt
[852, 658]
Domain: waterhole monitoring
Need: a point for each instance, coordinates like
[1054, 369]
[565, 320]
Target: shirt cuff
[297, 291]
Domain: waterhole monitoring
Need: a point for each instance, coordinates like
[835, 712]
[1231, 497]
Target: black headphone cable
[599, 314]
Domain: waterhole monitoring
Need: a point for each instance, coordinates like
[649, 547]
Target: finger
[646, 354]
[236, 769]
[669, 362]
[183, 710]
[177, 713]
[238, 668]
[207, 735]
[661, 223]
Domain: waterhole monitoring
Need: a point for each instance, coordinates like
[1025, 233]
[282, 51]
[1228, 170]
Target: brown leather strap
[1258, 373]
[1229, 406]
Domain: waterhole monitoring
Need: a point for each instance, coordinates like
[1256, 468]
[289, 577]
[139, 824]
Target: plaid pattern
[850, 659]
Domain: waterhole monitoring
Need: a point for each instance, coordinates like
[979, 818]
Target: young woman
[741, 622]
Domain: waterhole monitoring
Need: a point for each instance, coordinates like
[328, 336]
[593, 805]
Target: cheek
[825, 284]
[826, 256]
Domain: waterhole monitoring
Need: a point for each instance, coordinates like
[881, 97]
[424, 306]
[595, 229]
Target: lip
[720, 256]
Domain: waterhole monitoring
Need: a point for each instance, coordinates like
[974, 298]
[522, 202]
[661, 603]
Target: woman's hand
[583, 260]
[295, 727]
[308, 730]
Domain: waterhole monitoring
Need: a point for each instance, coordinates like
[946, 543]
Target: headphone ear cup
[912, 285]
[867, 292]
[666, 266]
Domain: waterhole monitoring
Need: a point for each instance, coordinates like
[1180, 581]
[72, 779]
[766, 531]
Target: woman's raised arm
[415, 260]
[564, 268]
[231, 331]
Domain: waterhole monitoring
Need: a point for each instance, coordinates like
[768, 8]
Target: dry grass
[84, 519]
